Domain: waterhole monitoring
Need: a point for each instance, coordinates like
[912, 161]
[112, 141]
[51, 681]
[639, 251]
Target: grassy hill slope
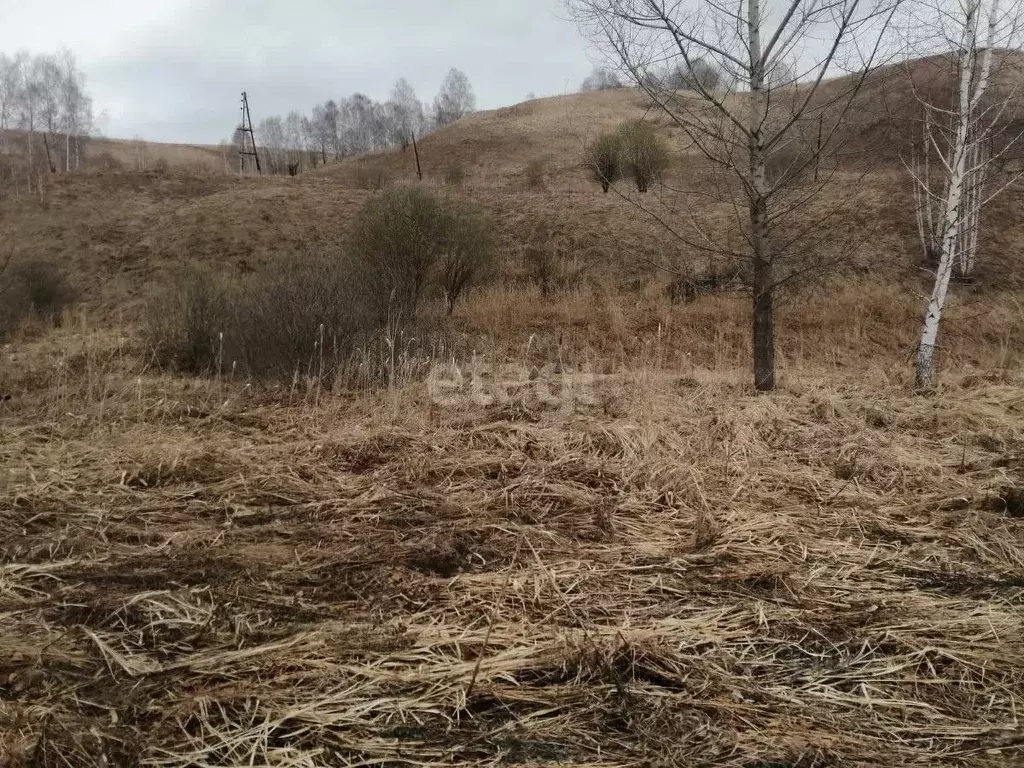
[598, 548]
[123, 234]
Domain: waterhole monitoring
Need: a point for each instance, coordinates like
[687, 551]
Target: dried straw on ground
[673, 573]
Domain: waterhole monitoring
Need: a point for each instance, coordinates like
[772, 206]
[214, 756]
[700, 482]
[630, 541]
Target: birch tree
[76, 117]
[10, 90]
[29, 105]
[455, 100]
[964, 136]
[47, 93]
[772, 56]
[405, 113]
[601, 79]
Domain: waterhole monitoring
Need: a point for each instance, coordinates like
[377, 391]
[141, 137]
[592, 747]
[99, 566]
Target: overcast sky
[173, 70]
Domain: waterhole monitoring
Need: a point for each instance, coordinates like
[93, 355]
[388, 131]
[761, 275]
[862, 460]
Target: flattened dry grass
[676, 572]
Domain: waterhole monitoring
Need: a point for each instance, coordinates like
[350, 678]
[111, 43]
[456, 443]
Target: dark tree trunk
[764, 326]
[49, 160]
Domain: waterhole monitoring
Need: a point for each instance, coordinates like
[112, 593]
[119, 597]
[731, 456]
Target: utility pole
[248, 138]
[419, 172]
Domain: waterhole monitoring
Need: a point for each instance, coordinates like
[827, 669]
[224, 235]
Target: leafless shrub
[535, 173]
[398, 239]
[644, 153]
[45, 286]
[409, 240]
[303, 316]
[105, 161]
[318, 314]
[300, 316]
[699, 75]
[549, 264]
[469, 251]
[32, 288]
[604, 157]
[601, 79]
[185, 327]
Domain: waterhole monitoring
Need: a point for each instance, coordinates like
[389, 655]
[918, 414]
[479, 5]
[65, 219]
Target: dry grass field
[597, 548]
[105, 154]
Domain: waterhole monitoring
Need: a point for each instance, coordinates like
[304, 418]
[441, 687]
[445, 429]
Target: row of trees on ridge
[45, 115]
[357, 123]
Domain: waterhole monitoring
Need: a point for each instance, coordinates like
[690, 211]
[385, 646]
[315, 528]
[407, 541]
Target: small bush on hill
[397, 240]
[644, 153]
[186, 327]
[410, 240]
[105, 161]
[45, 286]
[604, 159]
[469, 251]
[548, 264]
[535, 173]
[299, 317]
[714, 279]
[32, 288]
[313, 314]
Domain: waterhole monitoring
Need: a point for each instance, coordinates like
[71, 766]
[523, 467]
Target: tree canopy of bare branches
[356, 124]
[769, 59]
[43, 97]
[455, 100]
[602, 79]
[970, 129]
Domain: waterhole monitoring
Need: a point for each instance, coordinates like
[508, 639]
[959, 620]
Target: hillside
[561, 530]
[139, 155]
[124, 234]
[103, 154]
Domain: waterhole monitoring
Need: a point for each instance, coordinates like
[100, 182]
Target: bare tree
[756, 121]
[455, 100]
[965, 133]
[10, 90]
[10, 93]
[76, 116]
[295, 142]
[273, 141]
[354, 124]
[699, 72]
[602, 79]
[321, 131]
[30, 100]
[46, 93]
[405, 113]
[50, 83]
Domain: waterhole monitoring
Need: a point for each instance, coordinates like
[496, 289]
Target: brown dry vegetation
[106, 155]
[651, 567]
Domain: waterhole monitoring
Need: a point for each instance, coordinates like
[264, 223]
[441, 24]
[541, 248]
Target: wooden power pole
[416, 150]
[248, 138]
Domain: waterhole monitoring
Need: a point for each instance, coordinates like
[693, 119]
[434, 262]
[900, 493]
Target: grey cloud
[180, 81]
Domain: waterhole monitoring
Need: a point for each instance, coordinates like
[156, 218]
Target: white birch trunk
[969, 94]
